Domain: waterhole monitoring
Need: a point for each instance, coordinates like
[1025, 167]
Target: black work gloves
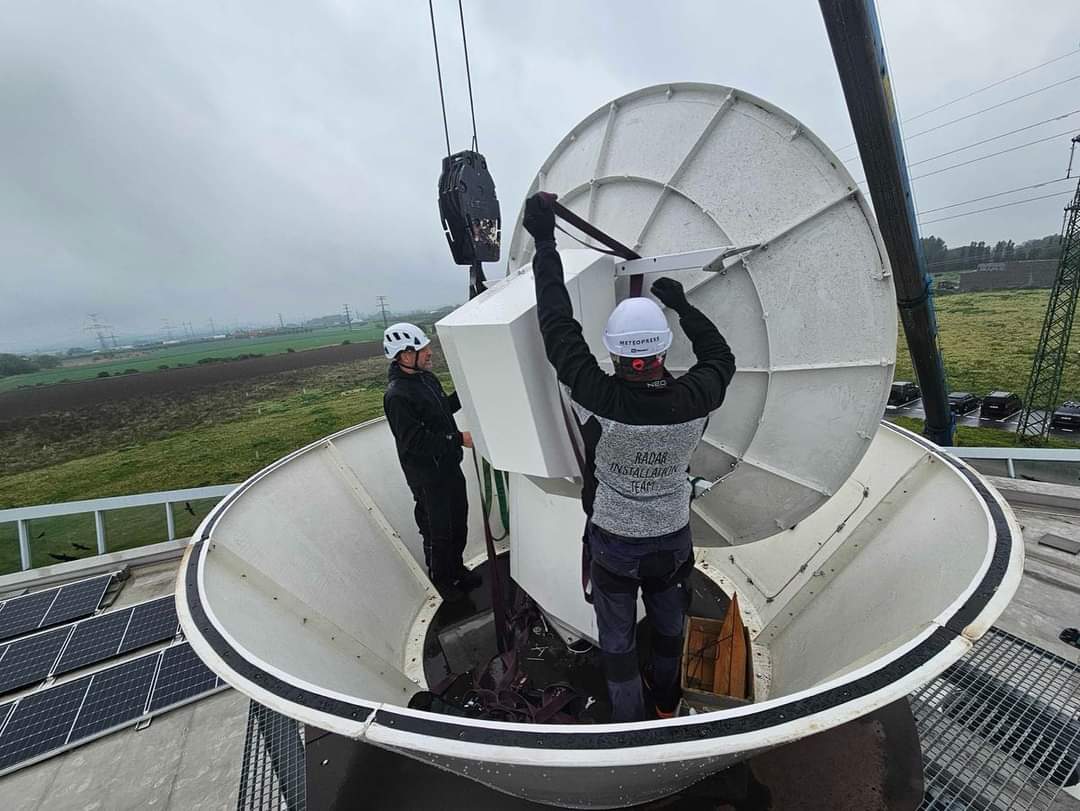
[670, 293]
[539, 219]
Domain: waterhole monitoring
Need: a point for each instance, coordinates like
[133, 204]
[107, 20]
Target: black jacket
[638, 436]
[421, 418]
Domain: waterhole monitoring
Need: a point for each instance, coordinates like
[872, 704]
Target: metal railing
[1010, 456]
[22, 516]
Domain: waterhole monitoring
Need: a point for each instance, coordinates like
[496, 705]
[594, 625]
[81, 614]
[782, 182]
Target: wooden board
[716, 656]
[729, 678]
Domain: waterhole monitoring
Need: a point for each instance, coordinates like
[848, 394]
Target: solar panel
[63, 716]
[22, 614]
[43, 609]
[181, 676]
[41, 722]
[77, 600]
[93, 640]
[30, 660]
[116, 696]
[151, 622]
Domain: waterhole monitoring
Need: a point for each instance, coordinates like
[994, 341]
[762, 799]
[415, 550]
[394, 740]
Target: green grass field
[206, 455]
[970, 436]
[190, 354]
[52, 540]
[988, 341]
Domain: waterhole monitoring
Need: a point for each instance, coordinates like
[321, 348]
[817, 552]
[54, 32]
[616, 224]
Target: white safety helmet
[637, 328]
[401, 336]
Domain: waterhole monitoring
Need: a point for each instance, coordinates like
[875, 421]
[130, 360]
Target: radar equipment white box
[508, 388]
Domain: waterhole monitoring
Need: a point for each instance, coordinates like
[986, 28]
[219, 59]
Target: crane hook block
[469, 208]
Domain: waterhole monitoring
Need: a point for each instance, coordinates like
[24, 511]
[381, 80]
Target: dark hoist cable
[469, 210]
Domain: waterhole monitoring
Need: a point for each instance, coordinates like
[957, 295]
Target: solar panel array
[54, 652]
[77, 711]
[44, 609]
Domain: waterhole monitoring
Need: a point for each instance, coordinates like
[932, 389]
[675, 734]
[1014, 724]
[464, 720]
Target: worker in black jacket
[639, 428]
[429, 447]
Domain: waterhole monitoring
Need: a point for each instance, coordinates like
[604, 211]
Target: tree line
[940, 257]
[21, 364]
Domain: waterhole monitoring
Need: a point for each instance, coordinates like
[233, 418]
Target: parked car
[962, 402]
[1000, 405]
[903, 392]
[1067, 415]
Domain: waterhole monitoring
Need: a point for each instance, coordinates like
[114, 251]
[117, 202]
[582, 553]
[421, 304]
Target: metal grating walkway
[1000, 730]
[272, 776]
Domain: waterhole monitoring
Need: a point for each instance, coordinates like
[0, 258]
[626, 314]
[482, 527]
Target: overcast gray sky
[231, 161]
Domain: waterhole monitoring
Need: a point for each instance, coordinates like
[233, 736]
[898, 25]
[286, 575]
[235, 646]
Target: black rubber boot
[450, 592]
[468, 581]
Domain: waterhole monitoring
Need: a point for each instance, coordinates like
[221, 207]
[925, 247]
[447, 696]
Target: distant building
[1031, 274]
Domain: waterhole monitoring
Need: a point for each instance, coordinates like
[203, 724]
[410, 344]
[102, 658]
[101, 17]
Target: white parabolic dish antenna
[810, 313]
[876, 560]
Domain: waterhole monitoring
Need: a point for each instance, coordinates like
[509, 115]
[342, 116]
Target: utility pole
[859, 52]
[1044, 386]
[381, 300]
[348, 317]
[213, 329]
[167, 328]
[281, 321]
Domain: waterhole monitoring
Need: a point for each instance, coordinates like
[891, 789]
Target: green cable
[500, 490]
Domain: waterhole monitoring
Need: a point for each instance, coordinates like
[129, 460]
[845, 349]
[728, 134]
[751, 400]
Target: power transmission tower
[101, 330]
[213, 328]
[281, 321]
[348, 317]
[1045, 383]
[382, 308]
[167, 327]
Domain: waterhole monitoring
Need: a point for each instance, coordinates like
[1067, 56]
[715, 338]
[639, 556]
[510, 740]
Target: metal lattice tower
[1045, 383]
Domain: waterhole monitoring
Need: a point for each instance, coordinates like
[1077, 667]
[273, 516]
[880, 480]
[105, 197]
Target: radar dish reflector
[810, 313]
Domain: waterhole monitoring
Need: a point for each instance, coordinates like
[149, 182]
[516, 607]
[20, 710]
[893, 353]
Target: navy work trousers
[659, 567]
[442, 516]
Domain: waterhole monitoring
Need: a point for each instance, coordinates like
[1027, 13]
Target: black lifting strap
[615, 248]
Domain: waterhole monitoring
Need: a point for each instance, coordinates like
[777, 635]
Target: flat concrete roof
[188, 758]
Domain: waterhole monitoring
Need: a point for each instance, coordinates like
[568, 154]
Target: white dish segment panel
[810, 313]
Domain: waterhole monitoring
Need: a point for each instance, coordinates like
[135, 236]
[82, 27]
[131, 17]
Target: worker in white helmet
[429, 447]
[639, 429]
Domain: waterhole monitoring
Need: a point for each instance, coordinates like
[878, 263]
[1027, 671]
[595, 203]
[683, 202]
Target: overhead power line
[993, 154]
[952, 166]
[993, 107]
[994, 84]
[983, 110]
[995, 138]
[994, 208]
[984, 140]
[995, 194]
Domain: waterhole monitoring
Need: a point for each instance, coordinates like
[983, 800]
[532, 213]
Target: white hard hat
[401, 336]
[637, 328]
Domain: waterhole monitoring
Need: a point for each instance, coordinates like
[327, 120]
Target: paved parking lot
[915, 409]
